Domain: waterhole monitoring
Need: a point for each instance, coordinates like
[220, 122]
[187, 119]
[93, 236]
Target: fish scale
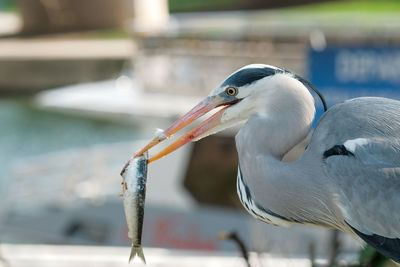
[134, 193]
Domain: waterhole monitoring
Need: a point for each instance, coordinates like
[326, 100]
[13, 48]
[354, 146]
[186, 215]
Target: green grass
[364, 6]
[8, 5]
[199, 5]
[110, 34]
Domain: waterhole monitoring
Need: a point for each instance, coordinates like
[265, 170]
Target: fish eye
[232, 91]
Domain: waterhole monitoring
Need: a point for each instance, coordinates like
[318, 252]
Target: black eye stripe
[247, 76]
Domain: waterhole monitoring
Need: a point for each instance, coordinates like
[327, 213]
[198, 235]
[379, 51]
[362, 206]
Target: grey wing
[367, 179]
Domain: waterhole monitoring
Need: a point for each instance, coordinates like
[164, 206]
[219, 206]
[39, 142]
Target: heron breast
[255, 209]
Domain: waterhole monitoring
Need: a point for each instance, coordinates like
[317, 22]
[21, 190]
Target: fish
[134, 177]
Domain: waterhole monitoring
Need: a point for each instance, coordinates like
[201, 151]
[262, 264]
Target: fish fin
[137, 250]
[121, 195]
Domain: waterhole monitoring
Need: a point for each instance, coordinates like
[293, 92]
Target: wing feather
[365, 182]
[369, 188]
[369, 185]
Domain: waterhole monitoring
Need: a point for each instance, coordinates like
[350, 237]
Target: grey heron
[348, 175]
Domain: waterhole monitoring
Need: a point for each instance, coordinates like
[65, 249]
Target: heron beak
[199, 110]
[202, 128]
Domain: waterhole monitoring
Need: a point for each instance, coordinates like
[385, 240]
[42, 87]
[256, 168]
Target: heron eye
[231, 91]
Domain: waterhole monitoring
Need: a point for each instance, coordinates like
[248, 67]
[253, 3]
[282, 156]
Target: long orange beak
[199, 110]
[203, 127]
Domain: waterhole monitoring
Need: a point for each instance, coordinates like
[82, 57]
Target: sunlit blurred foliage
[8, 5]
[369, 257]
[369, 6]
[199, 5]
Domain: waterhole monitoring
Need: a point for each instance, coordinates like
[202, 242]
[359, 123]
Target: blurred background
[84, 84]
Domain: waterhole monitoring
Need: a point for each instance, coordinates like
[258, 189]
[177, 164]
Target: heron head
[238, 97]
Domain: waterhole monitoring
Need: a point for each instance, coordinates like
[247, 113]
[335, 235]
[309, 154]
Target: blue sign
[346, 72]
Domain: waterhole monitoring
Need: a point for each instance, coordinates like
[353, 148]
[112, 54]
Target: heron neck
[282, 118]
[272, 136]
[287, 189]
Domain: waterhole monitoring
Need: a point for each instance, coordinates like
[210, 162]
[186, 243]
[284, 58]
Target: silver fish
[134, 177]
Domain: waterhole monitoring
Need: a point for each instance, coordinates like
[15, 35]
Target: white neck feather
[283, 116]
[282, 121]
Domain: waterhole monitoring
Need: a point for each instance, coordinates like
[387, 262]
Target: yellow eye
[231, 91]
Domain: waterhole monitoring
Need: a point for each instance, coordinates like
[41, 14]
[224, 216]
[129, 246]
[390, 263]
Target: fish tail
[137, 250]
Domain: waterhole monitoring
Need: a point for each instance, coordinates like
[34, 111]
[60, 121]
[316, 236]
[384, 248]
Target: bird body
[348, 177]
[357, 191]
[367, 180]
